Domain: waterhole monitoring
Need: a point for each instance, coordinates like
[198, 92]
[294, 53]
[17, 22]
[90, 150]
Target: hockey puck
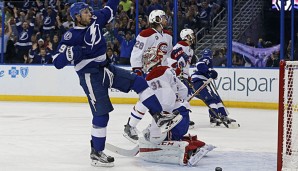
[218, 169]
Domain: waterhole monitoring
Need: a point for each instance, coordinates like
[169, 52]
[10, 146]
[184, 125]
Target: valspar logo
[246, 84]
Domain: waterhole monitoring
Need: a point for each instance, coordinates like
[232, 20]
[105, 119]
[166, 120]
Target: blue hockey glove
[213, 74]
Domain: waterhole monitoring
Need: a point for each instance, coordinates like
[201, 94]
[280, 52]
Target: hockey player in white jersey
[175, 147]
[155, 36]
[181, 57]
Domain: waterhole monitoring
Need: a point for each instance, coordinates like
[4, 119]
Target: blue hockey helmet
[76, 8]
[207, 53]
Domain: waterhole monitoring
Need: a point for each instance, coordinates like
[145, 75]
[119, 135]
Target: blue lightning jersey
[90, 38]
[202, 68]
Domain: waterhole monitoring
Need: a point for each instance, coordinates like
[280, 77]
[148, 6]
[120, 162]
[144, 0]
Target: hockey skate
[166, 121]
[214, 122]
[232, 123]
[131, 133]
[100, 159]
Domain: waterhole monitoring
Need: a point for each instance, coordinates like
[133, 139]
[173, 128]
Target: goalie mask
[151, 58]
[187, 34]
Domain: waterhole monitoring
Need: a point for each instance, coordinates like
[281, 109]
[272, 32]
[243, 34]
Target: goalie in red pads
[173, 146]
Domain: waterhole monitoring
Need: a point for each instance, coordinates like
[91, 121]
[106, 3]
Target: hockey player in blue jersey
[217, 112]
[85, 46]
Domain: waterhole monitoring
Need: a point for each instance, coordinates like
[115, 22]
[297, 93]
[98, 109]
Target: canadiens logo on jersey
[92, 36]
[163, 47]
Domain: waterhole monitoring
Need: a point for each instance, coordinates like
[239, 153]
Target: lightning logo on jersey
[92, 36]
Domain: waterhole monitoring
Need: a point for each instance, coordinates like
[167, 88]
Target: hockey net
[287, 153]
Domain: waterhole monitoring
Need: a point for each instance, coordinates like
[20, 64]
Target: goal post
[287, 146]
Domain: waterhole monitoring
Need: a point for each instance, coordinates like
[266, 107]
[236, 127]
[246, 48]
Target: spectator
[7, 34]
[55, 42]
[261, 43]
[296, 48]
[113, 58]
[237, 61]
[68, 23]
[249, 42]
[49, 18]
[43, 57]
[220, 58]
[25, 31]
[155, 5]
[126, 4]
[273, 60]
[126, 45]
[204, 15]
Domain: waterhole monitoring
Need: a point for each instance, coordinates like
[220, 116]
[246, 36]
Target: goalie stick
[121, 151]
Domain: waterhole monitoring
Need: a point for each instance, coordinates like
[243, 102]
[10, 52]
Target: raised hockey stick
[121, 151]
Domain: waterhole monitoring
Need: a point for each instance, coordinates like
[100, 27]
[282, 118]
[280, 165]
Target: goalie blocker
[188, 152]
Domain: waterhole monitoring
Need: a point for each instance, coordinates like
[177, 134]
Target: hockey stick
[121, 151]
[232, 126]
[214, 88]
[199, 89]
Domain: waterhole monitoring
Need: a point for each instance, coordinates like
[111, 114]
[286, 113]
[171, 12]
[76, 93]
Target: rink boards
[238, 87]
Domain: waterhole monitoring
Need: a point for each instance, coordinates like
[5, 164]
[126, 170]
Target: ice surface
[55, 137]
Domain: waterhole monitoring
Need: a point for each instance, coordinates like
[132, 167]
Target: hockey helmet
[151, 57]
[207, 53]
[76, 9]
[187, 32]
[155, 14]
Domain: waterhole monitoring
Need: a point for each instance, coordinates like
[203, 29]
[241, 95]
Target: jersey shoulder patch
[147, 32]
[156, 72]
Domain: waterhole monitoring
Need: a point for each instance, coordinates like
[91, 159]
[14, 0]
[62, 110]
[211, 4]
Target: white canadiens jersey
[151, 38]
[167, 87]
[189, 52]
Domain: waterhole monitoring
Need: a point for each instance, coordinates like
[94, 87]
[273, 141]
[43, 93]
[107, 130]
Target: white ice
[55, 137]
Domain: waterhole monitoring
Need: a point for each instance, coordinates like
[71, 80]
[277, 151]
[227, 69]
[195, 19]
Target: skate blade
[130, 139]
[234, 125]
[167, 127]
[191, 127]
[96, 163]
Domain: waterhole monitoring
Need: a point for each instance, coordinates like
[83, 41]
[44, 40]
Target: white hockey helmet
[151, 57]
[187, 32]
[154, 14]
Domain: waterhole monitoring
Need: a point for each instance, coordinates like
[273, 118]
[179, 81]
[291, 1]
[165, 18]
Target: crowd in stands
[33, 28]
[37, 25]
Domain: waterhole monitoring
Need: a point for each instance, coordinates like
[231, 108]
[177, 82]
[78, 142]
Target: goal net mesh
[290, 117]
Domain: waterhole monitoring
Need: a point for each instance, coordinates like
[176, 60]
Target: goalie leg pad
[172, 152]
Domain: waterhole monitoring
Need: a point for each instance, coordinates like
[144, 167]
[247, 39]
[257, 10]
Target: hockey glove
[138, 71]
[179, 53]
[74, 53]
[212, 74]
